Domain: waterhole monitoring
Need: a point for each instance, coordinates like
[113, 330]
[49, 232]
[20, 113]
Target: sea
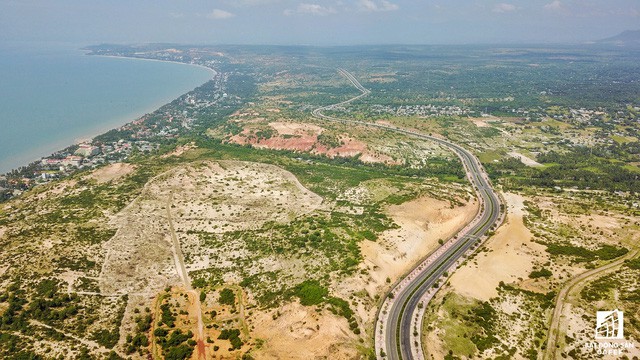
[54, 95]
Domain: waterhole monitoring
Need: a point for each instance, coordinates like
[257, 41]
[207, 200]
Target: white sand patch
[303, 333]
[377, 158]
[56, 188]
[70, 278]
[480, 122]
[422, 222]
[111, 172]
[525, 160]
[511, 255]
[600, 221]
[49, 243]
[287, 128]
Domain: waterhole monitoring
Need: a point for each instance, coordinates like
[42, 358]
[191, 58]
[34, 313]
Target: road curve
[395, 321]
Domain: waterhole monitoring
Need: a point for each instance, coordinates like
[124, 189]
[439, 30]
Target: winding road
[400, 318]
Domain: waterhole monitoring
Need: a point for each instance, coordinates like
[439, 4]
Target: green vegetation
[136, 342]
[140, 339]
[458, 327]
[233, 335]
[580, 254]
[167, 316]
[329, 140]
[174, 346]
[633, 263]
[106, 338]
[310, 292]
[617, 287]
[544, 272]
[600, 289]
[227, 297]
[485, 316]
[548, 114]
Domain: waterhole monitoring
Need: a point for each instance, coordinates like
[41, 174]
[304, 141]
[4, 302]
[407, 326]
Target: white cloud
[554, 5]
[313, 9]
[218, 14]
[371, 5]
[504, 8]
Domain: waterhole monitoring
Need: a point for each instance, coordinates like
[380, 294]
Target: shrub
[227, 297]
[544, 272]
[311, 292]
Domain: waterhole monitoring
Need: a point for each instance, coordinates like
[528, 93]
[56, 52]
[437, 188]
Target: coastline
[48, 149]
[156, 60]
[43, 151]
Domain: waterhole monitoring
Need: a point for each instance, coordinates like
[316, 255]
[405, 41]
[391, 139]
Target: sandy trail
[554, 329]
[178, 258]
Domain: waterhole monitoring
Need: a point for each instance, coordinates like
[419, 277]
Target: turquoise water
[53, 96]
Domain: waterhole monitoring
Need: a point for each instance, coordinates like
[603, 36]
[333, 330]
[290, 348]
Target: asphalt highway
[405, 301]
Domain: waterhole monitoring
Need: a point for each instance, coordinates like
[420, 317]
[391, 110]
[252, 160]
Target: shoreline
[33, 155]
[156, 60]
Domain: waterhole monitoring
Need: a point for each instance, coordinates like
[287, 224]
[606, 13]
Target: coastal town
[143, 136]
[149, 133]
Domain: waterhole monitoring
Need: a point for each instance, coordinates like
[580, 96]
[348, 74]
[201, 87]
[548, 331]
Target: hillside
[630, 38]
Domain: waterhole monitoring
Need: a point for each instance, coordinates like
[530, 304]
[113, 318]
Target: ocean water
[52, 96]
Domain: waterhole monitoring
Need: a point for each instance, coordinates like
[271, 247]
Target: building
[86, 150]
[51, 162]
[72, 161]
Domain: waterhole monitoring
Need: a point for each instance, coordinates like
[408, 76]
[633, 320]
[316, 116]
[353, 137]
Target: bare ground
[301, 332]
[422, 222]
[511, 256]
[139, 257]
[209, 196]
[304, 137]
[112, 172]
[525, 159]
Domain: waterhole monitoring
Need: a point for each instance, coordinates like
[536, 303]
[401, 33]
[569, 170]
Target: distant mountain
[625, 38]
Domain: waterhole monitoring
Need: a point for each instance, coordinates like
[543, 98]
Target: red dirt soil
[306, 139]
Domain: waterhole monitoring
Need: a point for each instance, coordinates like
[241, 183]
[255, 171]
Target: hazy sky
[315, 22]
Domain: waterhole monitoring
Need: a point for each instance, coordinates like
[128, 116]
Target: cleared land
[510, 255]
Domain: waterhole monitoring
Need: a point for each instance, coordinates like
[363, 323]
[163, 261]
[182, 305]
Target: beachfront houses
[86, 150]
